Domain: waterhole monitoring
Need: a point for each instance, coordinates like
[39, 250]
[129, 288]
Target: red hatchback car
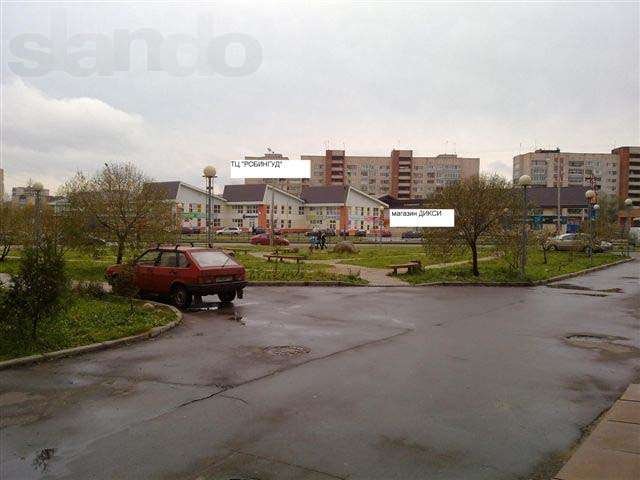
[182, 272]
[263, 239]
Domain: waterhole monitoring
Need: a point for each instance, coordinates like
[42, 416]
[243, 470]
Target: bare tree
[479, 204]
[442, 243]
[119, 203]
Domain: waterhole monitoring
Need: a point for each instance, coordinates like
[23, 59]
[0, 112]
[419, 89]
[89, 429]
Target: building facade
[544, 206]
[290, 185]
[23, 196]
[342, 208]
[601, 171]
[401, 174]
[190, 205]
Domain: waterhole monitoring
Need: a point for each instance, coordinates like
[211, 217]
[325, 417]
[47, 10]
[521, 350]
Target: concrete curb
[93, 347]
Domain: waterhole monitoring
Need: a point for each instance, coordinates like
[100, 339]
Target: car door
[144, 269]
[165, 271]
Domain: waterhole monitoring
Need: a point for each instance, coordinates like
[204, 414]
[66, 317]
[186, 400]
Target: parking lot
[321, 383]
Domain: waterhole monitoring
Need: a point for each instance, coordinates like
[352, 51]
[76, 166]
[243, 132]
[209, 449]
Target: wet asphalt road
[397, 383]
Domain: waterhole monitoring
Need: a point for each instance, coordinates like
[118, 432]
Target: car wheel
[180, 297]
[227, 297]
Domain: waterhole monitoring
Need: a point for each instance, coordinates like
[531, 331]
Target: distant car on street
[229, 231]
[181, 272]
[383, 233]
[360, 233]
[577, 242]
[265, 239]
[411, 234]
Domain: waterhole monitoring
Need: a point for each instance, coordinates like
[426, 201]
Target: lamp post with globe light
[628, 204]
[209, 173]
[590, 195]
[524, 181]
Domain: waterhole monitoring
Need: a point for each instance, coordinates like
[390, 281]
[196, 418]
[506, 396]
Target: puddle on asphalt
[571, 286]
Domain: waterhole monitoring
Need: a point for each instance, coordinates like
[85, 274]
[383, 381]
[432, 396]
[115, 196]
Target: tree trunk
[544, 254]
[474, 256]
[34, 328]
[5, 252]
[120, 251]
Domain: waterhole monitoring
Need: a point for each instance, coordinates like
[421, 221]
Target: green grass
[77, 269]
[382, 256]
[497, 270]
[261, 270]
[85, 320]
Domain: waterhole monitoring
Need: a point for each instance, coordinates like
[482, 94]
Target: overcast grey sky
[491, 79]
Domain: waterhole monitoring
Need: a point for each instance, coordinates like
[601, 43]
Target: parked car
[382, 233]
[264, 239]
[229, 231]
[257, 230]
[360, 233]
[182, 272]
[191, 230]
[411, 234]
[578, 242]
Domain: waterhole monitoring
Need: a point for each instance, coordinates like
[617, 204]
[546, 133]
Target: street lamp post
[590, 195]
[628, 203]
[37, 227]
[209, 173]
[524, 181]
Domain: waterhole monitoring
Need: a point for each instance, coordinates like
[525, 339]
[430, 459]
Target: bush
[123, 283]
[38, 287]
[345, 247]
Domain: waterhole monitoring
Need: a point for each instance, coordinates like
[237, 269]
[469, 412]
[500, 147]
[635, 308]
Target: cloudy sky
[487, 80]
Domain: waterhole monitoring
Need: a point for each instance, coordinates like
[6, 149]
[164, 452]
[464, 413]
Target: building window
[282, 210]
[289, 209]
[289, 224]
[252, 209]
[281, 223]
[237, 222]
[216, 208]
[216, 222]
[300, 210]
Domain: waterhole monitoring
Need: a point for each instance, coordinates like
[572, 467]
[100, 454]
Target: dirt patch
[426, 453]
[285, 351]
[607, 344]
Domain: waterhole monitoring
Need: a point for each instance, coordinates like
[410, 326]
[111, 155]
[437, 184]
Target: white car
[229, 231]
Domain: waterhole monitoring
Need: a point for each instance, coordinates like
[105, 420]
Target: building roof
[170, 189]
[325, 194]
[394, 202]
[547, 196]
[244, 193]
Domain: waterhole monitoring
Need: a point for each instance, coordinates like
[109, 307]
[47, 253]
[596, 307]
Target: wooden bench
[297, 258]
[412, 267]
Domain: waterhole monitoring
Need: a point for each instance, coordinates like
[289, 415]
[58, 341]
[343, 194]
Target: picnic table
[281, 257]
[412, 267]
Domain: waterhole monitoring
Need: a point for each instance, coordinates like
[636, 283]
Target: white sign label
[270, 168]
[421, 217]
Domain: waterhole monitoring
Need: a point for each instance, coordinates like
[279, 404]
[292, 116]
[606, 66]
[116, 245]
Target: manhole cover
[285, 350]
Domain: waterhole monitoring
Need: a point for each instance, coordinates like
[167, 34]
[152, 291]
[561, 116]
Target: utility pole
[558, 182]
[209, 173]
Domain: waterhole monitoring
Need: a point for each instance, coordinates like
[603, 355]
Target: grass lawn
[497, 270]
[86, 320]
[77, 269]
[261, 270]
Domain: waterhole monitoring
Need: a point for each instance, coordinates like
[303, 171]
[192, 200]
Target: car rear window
[207, 258]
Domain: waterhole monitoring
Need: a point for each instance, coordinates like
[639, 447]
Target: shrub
[345, 247]
[37, 289]
[123, 283]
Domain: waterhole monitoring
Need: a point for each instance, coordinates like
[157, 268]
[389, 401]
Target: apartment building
[290, 185]
[401, 174]
[604, 172]
[629, 166]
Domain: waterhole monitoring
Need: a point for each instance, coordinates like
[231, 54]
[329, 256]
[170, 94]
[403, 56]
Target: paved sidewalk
[612, 450]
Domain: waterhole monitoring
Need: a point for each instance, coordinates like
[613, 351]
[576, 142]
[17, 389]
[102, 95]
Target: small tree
[40, 283]
[479, 204]
[119, 202]
[12, 227]
[542, 238]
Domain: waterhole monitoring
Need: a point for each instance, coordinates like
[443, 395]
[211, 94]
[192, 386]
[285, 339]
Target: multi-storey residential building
[629, 167]
[601, 171]
[291, 185]
[22, 196]
[400, 175]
